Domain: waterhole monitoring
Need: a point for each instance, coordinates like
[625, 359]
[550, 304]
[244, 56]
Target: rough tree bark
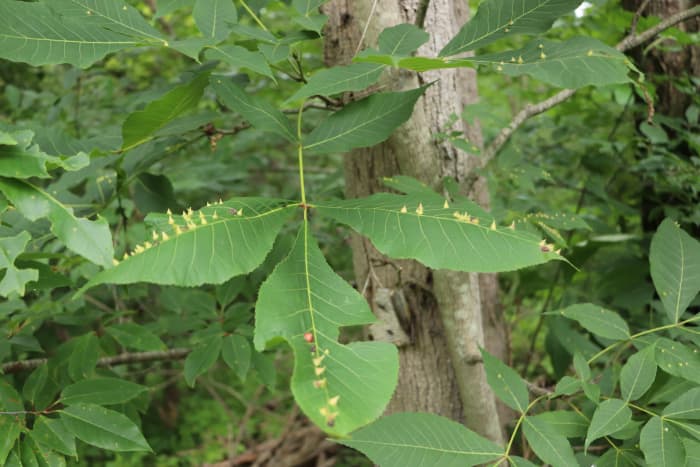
[451, 314]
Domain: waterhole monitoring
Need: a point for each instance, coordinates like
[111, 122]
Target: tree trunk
[441, 367]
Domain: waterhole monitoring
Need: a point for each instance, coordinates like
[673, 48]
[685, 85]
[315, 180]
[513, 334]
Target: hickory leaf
[421, 439]
[210, 245]
[661, 445]
[339, 387]
[240, 57]
[598, 320]
[214, 17]
[549, 445]
[354, 77]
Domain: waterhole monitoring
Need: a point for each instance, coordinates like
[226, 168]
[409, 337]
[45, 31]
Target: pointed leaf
[686, 407]
[611, 415]
[674, 258]
[90, 239]
[35, 383]
[339, 387]
[83, 359]
[363, 123]
[240, 57]
[140, 126]
[677, 359]
[638, 374]
[258, 112]
[400, 40]
[12, 423]
[52, 433]
[496, 19]
[201, 359]
[214, 17]
[236, 353]
[574, 63]
[564, 423]
[661, 444]
[506, 383]
[101, 391]
[421, 226]
[550, 446]
[598, 320]
[214, 244]
[421, 439]
[103, 428]
[15, 279]
[327, 82]
[135, 336]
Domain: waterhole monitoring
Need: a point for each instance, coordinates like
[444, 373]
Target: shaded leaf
[610, 416]
[674, 258]
[661, 444]
[598, 320]
[53, 434]
[101, 391]
[550, 446]
[11, 423]
[339, 387]
[420, 439]
[201, 359]
[240, 57]
[638, 374]
[35, 383]
[103, 428]
[214, 17]
[83, 359]
[236, 352]
[506, 383]
[677, 359]
[15, 279]
[135, 336]
[363, 123]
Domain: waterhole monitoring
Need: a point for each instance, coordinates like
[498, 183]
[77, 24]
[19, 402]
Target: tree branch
[530, 110]
[121, 359]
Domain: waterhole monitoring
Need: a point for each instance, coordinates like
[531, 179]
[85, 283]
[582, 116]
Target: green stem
[300, 153]
[253, 15]
[506, 455]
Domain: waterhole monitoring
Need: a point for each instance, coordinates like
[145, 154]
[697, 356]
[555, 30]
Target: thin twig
[421, 13]
[364, 31]
[637, 15]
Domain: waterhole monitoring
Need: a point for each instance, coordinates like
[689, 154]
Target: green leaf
[214, 17]
[661, 444]
[506, 383]
[101, 391]
[103, 428]
[83, 359]
[307, 7]
[638, 374]
[421, 439]
[363, 123]
[598, 320]
[240, 57]
[674, 258]
[420, 225]
[274, 53]
[165, 7]
[549, 445]
[19, 158]
[214, 244]
[686, 407]
[313, 23]
[677, 359]
[135, 336]
[574, 63]
[15, 280]
[52, 433]
[12, 423]
[400, 40]
[692, 452]
[201, 359]
[140, 126]
[264, 366]
[562, 422]
[496, 19]
[236, 353]
[90, 239]
[610, 416]
[327, 82]
[339, 387]
[567, 386]
[258, 112]
[35, 383]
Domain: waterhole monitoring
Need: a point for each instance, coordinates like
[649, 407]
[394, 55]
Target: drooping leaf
[339, 387]
[363, 123]
[354, 77]
[422, 226]
[83, 359]
[677, 359]
[11, 422]
[141, 125]
[19, 158]
[674, 258]
[610, 416]
[496, 19]
[101, 391]
[215, 17]
[214, 244]
[258, 112]
[661, 444]
[53, 434]
[638, 374]
[103, 428]
[566, 423]
[15, 279]
[598, 320]
[506, 383]
[240, 57]
[421, 439]
[236, 352]
[90, 239]
[549, 445]
[686, 407]
[201, 359]
[135, 336]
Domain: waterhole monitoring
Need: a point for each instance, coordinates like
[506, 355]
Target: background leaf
[15, 280]
[201, 359]
[10, 424]
[236, 353]
[134, 336]
[214, 17]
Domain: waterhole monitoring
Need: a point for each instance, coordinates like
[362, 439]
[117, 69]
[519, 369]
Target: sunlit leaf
[103, 428]
[421, 439]
[339, 387]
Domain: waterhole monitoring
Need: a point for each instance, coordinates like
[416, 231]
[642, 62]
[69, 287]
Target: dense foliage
[171, 189]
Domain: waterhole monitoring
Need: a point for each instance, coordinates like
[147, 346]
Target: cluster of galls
[330, 410]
